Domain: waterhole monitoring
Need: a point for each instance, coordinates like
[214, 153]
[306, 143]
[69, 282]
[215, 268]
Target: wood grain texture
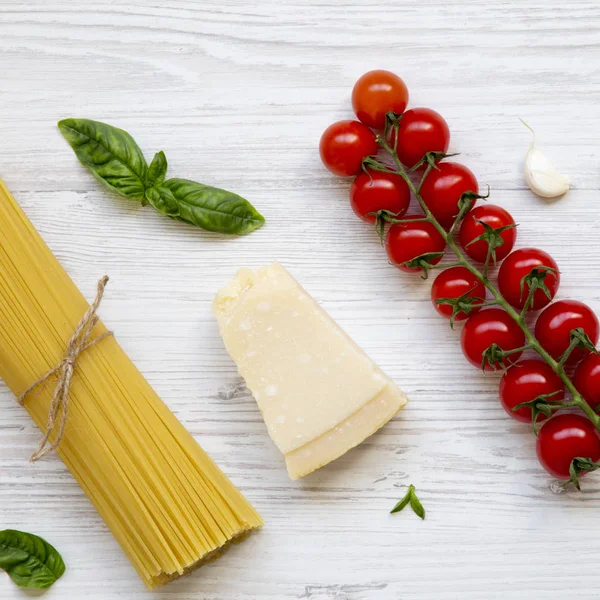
[237, 95]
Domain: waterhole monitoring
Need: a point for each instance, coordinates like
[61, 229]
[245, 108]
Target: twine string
[79, 342]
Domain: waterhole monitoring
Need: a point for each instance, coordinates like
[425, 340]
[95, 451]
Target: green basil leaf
[410, 498]
[416, 505]
[110, 153]
[117, 161]
[212, 208]
[157, 171]
[401, 504]
[30, 561]
[163, 200]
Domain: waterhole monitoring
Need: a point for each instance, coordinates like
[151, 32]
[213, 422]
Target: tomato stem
[519, 318]
[572, 345]
[486, 303]
[444, 266]
[488, 257]
[393, 221]
[528, 302]
[426, 172]
[521, 349]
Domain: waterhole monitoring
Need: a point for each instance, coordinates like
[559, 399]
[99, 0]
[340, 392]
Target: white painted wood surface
[237, 94]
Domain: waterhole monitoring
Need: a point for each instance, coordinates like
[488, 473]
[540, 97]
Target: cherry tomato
[421, 130]
[491, 326]
[453, 283]
[564, 437]
[518, 265]
[555, 323]
[587, 380]
[406, 241]
[377, 93]
[524, 382]
[344, 145]
[495, 217]
[443, 188]
[374, 191]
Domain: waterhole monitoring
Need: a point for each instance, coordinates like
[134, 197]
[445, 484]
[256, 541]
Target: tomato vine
[416, 141]
[518, 317]
[578, 338]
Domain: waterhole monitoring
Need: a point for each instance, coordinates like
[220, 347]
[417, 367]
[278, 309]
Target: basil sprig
[410, 498]
[116, 160]
[30, 561]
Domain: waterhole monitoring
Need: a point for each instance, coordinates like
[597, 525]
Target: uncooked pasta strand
[168, 505]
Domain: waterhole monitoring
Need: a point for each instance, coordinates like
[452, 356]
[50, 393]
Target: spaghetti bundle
[169, 506]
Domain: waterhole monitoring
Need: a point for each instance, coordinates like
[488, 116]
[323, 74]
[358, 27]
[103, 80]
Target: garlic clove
[541, 176]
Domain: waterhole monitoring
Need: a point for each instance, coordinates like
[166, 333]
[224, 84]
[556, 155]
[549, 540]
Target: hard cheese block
[319, 394]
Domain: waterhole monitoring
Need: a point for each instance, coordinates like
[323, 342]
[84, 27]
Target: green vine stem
[557, 366]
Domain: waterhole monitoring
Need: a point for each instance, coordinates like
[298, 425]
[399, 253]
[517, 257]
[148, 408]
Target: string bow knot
[79, 342]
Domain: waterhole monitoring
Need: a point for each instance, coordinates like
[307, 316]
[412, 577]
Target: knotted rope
[79, 342]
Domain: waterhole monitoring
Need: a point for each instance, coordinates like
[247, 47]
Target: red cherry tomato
[491, 326]
[524, 382]
[453, 283]
[374, 191]
[555, 323]
[443, 188]
[495, 217]
[421, 130]
[344, 145]
[518, 265]
[407, 241]
[587, 380]
[375, 94]
[563, 438]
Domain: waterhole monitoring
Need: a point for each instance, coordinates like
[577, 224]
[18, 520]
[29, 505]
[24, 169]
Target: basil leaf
[410, 498]
[30, 561]
[401, 504]
[210, 208]
[110, 153]
[116, 160]
[416, 505]
[157, 171]
[163, 200]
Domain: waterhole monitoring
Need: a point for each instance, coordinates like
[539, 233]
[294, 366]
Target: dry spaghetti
[166, 502]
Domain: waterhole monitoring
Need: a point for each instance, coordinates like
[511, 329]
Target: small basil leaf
[110, 153]
[401, 504]
[416, 505]
[162, 199]
[410, 498]
[212, 208]
[30, 561]
[157, 171]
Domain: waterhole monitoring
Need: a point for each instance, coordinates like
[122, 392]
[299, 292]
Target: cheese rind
[348, 434]
[307, 376]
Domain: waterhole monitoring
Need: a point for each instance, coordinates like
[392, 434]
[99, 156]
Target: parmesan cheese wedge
[319, 394]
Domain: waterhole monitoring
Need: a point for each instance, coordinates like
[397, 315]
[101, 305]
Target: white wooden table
[237, 94]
